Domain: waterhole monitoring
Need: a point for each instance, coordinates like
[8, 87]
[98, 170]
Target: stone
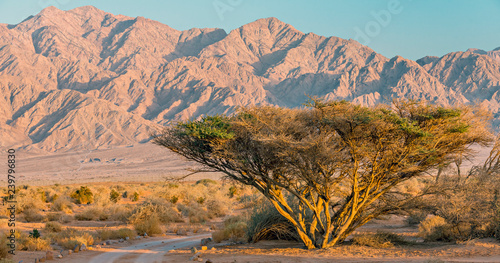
[69, 252]
[206, 241]
[138, 237]
[49, 255]
[83, 247]
[127, 238]
[194, 250]
[108, 242]
[76, 249]
[145, 234]
[59, 256]
[209, 261]
[200, 259]
[97, 246]
[121, 240]
[195, 257]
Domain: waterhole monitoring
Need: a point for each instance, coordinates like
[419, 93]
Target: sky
[409, 28]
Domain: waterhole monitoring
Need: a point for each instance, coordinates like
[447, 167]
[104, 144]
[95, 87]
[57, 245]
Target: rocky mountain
[85, 78]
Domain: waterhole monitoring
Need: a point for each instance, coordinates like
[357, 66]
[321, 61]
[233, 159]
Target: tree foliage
[329, 168]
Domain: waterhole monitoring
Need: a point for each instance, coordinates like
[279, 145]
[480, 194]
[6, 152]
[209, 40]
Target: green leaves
[209, 128]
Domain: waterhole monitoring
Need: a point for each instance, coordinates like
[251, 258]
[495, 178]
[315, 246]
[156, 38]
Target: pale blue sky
[414, 29]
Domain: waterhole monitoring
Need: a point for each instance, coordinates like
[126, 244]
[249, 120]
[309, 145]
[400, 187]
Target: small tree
[114, 196]
[332, 167]
[83, 195]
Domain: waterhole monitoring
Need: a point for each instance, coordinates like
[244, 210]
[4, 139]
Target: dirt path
[147, 252]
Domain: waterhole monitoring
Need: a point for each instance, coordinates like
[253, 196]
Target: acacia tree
[331, 167]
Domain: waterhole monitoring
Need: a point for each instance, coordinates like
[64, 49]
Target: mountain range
[88, 79]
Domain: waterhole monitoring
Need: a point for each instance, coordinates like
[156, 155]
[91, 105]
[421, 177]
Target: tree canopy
[330, 167]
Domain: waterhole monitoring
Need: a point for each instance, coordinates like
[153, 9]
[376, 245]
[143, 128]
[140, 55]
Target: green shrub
[114, 196]
[135, 197]
[83, 195]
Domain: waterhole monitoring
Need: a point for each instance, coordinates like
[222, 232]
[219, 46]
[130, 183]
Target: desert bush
[119, 212]
[83, 195]
[114, 196]
[206, 182]
[4, 249]
[195, 212]
[435, 228]
[149, 224]
[266, 223]
[61, 204]
[32, 215]
[235, 229]
[416, 217]
[53, 227]
[34, 244]
[135, 197]
[91, 213]
[70, 237]
[377, 240]
[29, 199]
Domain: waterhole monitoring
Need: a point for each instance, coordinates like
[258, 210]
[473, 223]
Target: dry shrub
[195, 212]
[378, 240]
[415, 217]
[106, 234]
[266, 223]
[91, 213]
[70, 237]
[119, 212]
[161, 207]
[235, 229]
[435, 228]
[4, 250]
[53, 227]
[62, 205]
[32, 244]
[32, 215]
[29, 199]
[149, 224]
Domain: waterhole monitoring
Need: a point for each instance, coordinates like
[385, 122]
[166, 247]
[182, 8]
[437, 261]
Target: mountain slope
[85, 78]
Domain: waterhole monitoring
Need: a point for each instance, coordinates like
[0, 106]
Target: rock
[205, 241]
[121, 240]
[127, 238]
[49, 255]
[108, 242]
[204, 247]
[59, 256]
[76, 249]
[194, 250]
[209, 261]
[195, 257]
[83, 247]
[200, 259]
[145, 234]
[138, 237]
[97, 246]
[69, 252]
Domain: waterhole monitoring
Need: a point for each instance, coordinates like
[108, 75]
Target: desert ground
[188, 211]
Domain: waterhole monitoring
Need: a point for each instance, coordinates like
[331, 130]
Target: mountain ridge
[85, 78]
